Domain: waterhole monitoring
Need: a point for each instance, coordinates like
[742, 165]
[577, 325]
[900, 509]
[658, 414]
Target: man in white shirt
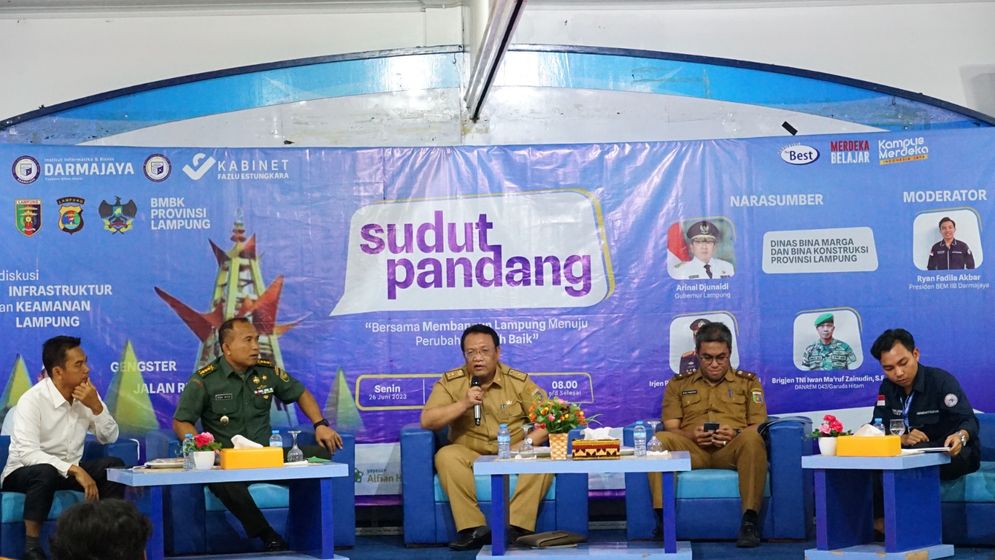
[52, 419]
[703, 265]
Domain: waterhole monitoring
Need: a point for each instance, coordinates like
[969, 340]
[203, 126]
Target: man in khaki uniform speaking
[714, 413]
[504, 396]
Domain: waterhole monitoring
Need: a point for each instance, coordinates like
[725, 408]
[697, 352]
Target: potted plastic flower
[827, 432]
[204, 448]
[557, 417]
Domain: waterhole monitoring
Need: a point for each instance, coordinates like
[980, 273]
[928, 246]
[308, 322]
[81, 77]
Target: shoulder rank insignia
[454, 374]
[265, 363]
[746, 374]
[684, 374]
[206, 369]
[519, 375]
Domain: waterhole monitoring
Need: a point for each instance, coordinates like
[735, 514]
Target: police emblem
[117, 217]
[950, 400]
[157, 168]
[27, 215]
[70, 214]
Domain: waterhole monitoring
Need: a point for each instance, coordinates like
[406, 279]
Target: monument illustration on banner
[17, 383]
[239, 291]
[340, 406]
[132, 408]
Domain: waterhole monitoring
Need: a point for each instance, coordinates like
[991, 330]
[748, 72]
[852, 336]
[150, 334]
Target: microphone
[478, 409]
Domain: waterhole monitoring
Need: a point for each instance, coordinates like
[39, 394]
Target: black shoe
[515, 533]
[658, 527]
[35, 553]
[749, 535]
[273, 542]
[471, 539]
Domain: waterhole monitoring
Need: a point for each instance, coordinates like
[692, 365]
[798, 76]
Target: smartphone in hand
[711, 426]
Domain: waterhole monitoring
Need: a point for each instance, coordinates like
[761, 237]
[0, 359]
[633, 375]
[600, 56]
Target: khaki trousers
[454, 464]
[746, 454]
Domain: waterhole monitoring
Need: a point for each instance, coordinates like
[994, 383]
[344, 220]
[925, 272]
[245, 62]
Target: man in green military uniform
[827, 353]
[732, 399]
[232, 396]
[504, 396]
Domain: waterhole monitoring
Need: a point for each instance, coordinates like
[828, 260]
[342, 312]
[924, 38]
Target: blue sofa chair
[428, 519]
[708, 505]
[12, 503]
[198, 523]
[968, 503]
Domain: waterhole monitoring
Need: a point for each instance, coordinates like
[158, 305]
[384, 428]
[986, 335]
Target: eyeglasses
[483, 353]
[708, 358]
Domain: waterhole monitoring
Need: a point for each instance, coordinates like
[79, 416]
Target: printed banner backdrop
[361, 267]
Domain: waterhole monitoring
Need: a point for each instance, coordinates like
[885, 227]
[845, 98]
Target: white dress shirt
[694, 269]
[50, 430]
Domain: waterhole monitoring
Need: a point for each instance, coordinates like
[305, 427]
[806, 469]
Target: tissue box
[596, 449]
[252, 458]
[883, 446]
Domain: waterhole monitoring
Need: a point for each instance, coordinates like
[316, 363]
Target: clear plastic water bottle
[639, 439]
[275, 439]
[879, 424]
[187, 448]
[504, 442]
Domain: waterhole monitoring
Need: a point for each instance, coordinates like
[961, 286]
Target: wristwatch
[322, 422]
[963, 438]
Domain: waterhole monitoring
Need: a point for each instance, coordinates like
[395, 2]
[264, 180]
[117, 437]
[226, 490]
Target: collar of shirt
[698, 376]
[53, 394]
[227, 370]
[919, 385]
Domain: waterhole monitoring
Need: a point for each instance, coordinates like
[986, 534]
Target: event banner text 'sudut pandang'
[361, 267]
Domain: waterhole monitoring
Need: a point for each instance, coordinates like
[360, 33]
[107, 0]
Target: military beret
[703, 229]
[698, 323]
[824, 318]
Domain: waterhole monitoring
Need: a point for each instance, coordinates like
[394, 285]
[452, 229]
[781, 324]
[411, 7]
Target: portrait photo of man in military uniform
[472, 401]
[827, 353]
[689, 359]
[703, 239]
[232, 396]
[713, 413]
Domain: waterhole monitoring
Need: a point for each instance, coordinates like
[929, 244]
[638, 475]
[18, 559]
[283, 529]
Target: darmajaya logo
[201, 166]
[799, 154]
[25, 170]
[157, 168]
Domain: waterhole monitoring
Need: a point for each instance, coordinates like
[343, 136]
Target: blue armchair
[12, 503]
[708, 505]
[428, 519]
[968, 503]
[192, 512]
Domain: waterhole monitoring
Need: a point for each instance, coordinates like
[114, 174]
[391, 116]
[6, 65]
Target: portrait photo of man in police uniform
[947, 240]
[705, 252]
[682, 356]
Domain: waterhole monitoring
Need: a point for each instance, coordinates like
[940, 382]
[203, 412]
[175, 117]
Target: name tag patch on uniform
[758, 397]
[263, 391]
[223, 397]
[924, 412]
[505, 405]
[689, 392]
[950, 400]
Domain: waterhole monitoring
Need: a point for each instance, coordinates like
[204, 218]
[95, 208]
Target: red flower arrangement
[204, 441]
[830, 427]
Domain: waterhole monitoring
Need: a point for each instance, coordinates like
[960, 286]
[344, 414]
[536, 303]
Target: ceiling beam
[501, 23]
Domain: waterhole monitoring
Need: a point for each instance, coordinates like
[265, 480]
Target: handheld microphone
[478, 409]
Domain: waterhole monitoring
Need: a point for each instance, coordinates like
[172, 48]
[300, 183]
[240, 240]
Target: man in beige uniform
[504, 395]
[734, 400]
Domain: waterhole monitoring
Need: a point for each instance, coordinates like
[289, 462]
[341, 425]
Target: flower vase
[558, 446]
[203, 460]
[827, 445]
